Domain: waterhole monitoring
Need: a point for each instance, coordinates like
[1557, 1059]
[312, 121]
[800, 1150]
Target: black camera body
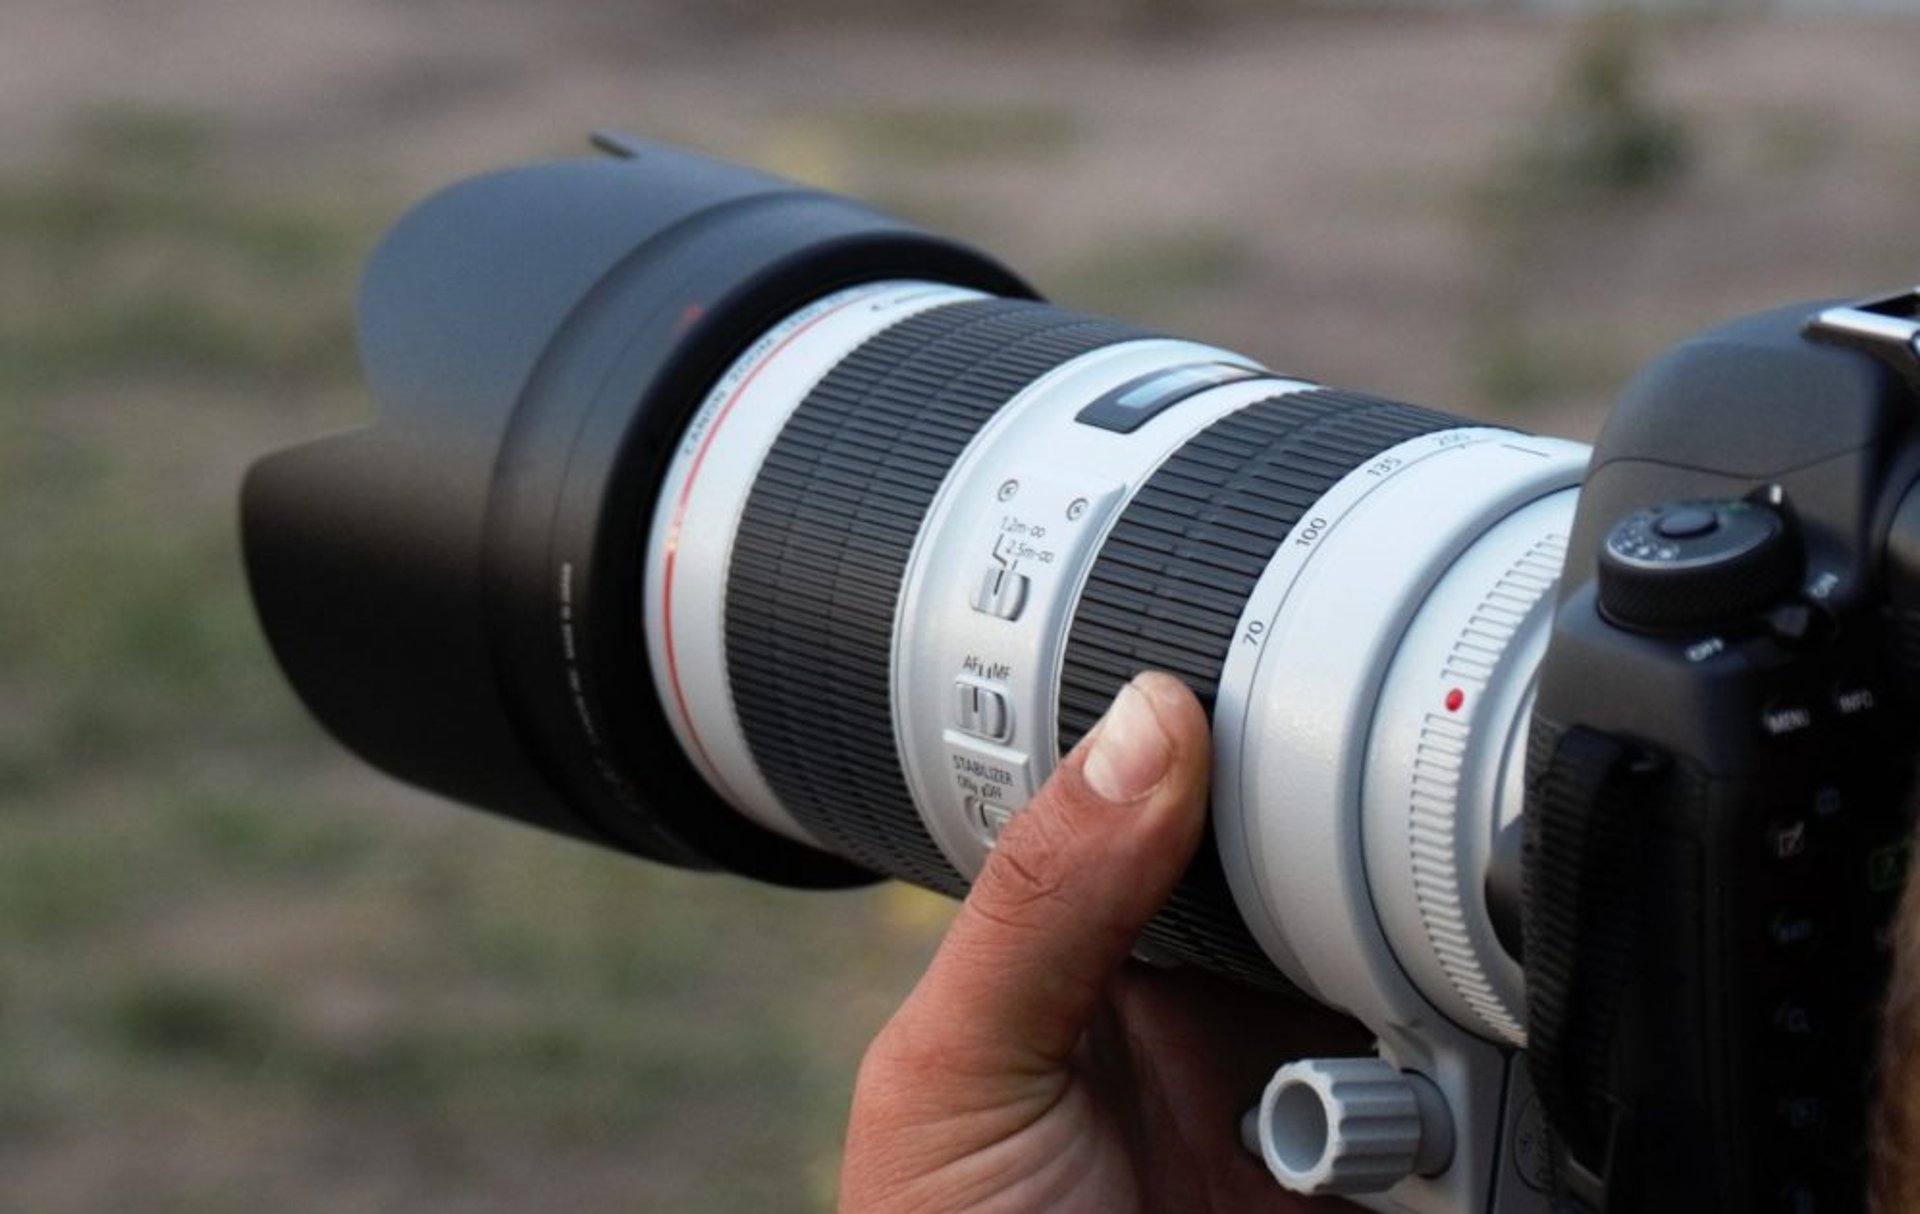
[696, 496]
[1722, 758]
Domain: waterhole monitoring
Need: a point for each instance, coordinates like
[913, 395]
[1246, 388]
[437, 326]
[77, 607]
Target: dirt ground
[237, 971]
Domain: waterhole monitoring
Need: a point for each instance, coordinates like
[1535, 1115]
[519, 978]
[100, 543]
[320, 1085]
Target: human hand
[1034, 1068]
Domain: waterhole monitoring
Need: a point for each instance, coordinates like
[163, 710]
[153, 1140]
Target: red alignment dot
[1455, 699]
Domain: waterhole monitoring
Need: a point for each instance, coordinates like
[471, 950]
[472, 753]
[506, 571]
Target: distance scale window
[1138, 401]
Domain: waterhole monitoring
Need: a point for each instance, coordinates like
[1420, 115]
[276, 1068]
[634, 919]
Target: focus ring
[822, 550]
[1174, 575]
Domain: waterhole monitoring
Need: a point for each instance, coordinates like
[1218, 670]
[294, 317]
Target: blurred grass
[908, 136]
[132, 257]
[238, 971]
[1146, 271]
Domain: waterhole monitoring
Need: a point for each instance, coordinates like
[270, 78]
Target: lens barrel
[740, 526]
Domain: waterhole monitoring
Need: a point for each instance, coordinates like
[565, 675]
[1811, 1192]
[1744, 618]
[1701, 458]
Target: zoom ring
[1174, 575]
[823, 547]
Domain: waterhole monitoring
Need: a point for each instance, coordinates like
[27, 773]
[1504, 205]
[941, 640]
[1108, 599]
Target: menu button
[1782, 720]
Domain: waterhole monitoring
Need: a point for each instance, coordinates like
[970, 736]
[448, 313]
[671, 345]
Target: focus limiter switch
[1001, 593]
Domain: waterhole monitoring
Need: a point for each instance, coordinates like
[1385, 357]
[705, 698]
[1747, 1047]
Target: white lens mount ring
[1445, 764]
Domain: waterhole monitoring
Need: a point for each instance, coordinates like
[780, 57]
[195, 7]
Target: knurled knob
[1685, 565]
[1351, 1125]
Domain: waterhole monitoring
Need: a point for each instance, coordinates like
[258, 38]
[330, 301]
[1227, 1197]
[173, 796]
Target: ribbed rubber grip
[1177, 570]
[822, 550]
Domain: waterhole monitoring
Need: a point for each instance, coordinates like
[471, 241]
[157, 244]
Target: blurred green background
[240, 972]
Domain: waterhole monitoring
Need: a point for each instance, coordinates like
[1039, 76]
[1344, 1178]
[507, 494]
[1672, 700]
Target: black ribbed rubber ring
[822, 550]
[1174, 575]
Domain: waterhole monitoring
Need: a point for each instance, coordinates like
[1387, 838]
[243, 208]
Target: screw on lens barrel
[1682, 565]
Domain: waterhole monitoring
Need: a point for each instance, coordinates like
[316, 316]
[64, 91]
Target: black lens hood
[455, 591]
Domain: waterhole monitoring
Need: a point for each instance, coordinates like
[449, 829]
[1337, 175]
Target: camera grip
[1585, 829]
[1706, 958]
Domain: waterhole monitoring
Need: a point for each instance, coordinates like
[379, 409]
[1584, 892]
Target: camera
[741, 526]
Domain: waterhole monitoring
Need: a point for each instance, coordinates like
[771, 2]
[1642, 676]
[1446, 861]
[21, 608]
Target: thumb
[1071, 882]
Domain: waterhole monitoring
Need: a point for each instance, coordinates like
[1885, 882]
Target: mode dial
[1686, 564]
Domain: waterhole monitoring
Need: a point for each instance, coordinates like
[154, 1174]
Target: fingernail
[1130, 752]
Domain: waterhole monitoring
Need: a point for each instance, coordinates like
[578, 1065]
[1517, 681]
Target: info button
[1855, 700]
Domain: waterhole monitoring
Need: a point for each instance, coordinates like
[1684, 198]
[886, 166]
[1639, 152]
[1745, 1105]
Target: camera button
[1687, 522]
[1786, 839]
[1797, 623]
[1854, 700]
[1794, 1021]
[1829, 802]
[1793, 933]
[1801, 1114]
[1784, 720]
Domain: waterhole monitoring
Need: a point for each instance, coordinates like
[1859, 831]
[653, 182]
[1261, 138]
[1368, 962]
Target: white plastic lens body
[1371, 708]
[698, 516]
